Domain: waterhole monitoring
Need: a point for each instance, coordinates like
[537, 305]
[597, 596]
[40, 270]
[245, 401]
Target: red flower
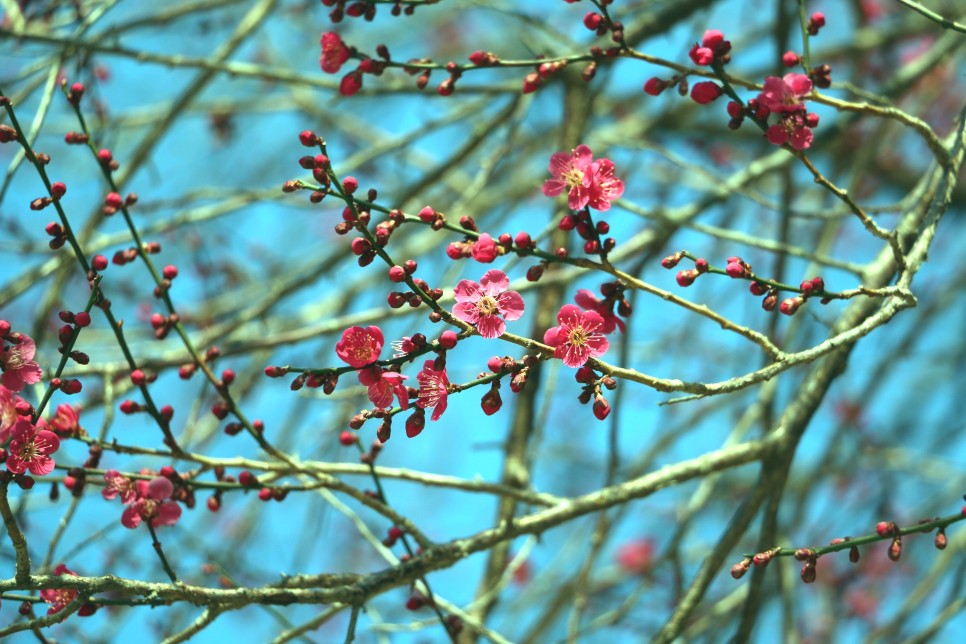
[579, 336]
[334, 52]
[17, 363]
[30, 449]
[58, 598]
[433, 389]
[360, 347]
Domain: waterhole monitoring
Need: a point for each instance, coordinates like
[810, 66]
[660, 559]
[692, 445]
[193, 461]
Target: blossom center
[28, 451]
[574, 178]
[578, 336]
[13, 359]
[487, 306]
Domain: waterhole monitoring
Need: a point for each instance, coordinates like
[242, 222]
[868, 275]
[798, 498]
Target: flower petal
[491, 326]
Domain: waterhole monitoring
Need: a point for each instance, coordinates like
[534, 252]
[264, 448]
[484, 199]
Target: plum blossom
[712, 44]
[587, 182]
[334, 52]
[66, 422]
[382, 385]
[786, 94]
[484, 249]
[487, 303]
[58, 598]
[607, 187]
[402, 347]
[8, 412]
[17, 363]
[116, 484]
[572, 172]
[433, 389]
[578, 338]
[360, 347]
[30, 449]
[588, 301]
[786, 97]
[151, 504]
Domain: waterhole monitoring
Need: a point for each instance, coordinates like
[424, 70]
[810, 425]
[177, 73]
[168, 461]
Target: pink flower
[8, 412]
[586, 300]
[58, 598]
[382, 385]
[587, 182]
[360, 347]
[786, 94]
[578, 338]
[151, 504]
[433, 389]
[606, 186]
[487, 304]
[334, 52]
[572, 172]
[30, 449]
[791, 130]
[484, 249]
[116, 484]
[67, 421]
[17, 363]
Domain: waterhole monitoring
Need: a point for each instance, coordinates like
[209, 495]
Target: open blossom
[786, 97]
[30, 449]
[116, 484]
[786, 94]
[58, 598]
[571, 172]
[334, 53]
[17, 363]
[578, 338]
[606, 187]
[433, 389]
[8, 412]
[360, 347]
[487, 304]
[586, 181]
[152, 504]
[382, 385]
[587, 300]
[66, 422]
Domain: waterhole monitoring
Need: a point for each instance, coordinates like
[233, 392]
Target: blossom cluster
[150, 500]
[588, 183]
